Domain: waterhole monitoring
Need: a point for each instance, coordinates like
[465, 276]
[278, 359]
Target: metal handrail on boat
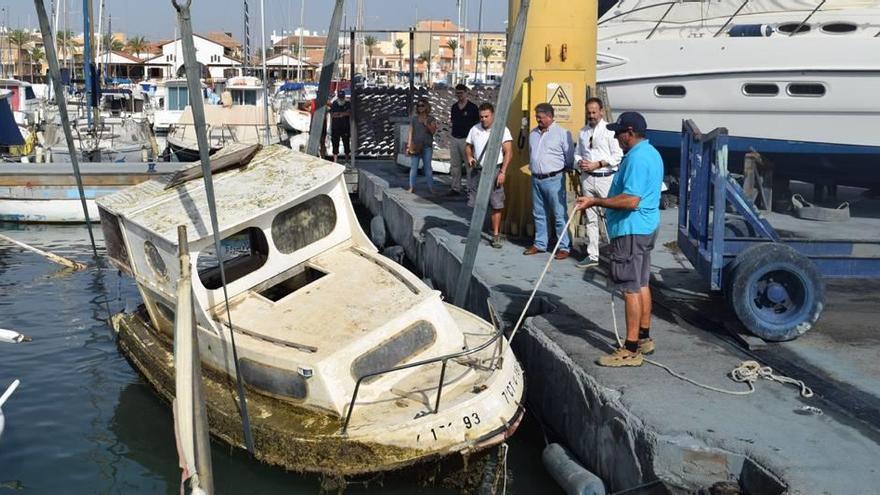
[444, 359]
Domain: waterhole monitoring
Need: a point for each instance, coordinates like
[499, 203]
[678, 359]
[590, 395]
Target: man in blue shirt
[632, 216]
[551, 152]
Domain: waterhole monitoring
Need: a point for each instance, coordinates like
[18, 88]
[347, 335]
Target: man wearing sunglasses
[633, 217]
[464, 115]
[597, 157]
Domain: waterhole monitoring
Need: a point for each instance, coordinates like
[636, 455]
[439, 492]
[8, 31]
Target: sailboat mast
[265, 73]
[299, 48]
[87, 56]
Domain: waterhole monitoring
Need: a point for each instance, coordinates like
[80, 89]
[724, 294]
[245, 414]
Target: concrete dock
[638, 425]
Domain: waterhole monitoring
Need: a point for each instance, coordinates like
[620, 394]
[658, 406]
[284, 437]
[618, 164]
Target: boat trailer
[775, 285]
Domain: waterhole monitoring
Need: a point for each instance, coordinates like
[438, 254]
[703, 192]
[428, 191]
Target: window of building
[243, 252]
[670, 91]
[760, 89]
[303, 224]
[814, 90]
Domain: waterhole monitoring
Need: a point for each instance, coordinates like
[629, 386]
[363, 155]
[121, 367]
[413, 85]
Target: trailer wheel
[776, 292]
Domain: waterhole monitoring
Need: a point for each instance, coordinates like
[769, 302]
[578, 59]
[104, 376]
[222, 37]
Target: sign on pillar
[558, 95]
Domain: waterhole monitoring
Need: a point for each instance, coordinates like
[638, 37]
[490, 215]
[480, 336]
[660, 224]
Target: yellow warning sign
[558, 97]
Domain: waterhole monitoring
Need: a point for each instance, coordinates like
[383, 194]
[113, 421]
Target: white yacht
[23, 100]
[172, 98]
[351, 363]
[241, 118]
[794, 80]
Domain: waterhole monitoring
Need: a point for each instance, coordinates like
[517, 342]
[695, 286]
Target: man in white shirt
[597, 157]
[476, 142]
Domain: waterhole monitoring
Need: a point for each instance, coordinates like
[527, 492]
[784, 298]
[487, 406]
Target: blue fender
[573, 478]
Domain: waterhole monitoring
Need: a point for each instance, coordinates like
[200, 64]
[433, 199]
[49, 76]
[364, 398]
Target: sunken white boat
[341, 350]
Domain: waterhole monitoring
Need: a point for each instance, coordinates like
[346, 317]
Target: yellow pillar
[558, 64]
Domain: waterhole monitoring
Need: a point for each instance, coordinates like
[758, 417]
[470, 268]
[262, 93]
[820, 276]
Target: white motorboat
[292, 101]
[240, 119]
[172, 97]
[792, 79]
[351, 363]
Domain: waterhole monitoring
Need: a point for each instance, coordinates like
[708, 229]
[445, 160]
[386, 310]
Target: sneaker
[496, 241]
[646, 346]
[621, 357]
[588, 263]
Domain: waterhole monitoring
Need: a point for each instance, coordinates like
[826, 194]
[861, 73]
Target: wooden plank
[238, 157]
[70, 180]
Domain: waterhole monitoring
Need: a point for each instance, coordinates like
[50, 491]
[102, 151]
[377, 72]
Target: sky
[156, 19]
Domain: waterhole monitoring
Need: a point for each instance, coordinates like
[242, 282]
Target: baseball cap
[629, 120]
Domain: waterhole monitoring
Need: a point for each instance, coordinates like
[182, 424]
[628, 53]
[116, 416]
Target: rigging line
[198, 110]
[55, 74]
[801, 25]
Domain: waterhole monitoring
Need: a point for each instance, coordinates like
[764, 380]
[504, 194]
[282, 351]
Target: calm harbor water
[83, 420]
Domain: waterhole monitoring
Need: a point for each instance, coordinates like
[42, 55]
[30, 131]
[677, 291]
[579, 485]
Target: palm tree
[19, 38]
[399, 44]
[136, 45]
[65, 42]
[425, 57]
[369, 42]
[36, 56]
[117, 46]
[486, 52]
[453, 45]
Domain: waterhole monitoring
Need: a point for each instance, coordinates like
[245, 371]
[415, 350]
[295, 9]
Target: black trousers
[346, 142]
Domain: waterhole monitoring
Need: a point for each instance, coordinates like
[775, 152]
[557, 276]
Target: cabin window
[670, 91]
[29, 93]
[303, 224]
[760, 89]
[113, 240]
[243, 252]
[164, 310]
[839, 28]
[790, 27]
[155, 261]
[814, 90]
[178, 98]
[396, 350]
[244, 97]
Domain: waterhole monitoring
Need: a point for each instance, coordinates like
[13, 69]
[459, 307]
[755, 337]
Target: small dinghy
[351, 364]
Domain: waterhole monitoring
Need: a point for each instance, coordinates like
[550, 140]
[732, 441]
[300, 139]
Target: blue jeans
[425, 156]
[548, 195]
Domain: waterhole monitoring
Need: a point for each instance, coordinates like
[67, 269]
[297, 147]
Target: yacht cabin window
[790, 27]
[243, 252]
[760, 89]
[813, 90]
[303, 224]
[839, 28]
[670, 91]
[244, 97]
[177, 98]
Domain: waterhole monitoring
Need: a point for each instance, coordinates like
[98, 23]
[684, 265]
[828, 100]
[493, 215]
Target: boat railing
[496, 337]
[227, 132]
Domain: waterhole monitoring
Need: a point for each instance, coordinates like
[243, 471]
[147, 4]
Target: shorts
[496, 198]
[631, 261]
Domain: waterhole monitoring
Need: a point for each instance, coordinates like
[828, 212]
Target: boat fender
[808, 211]
[573, 478]
[750, 31]
[378, 233]
[12, 337]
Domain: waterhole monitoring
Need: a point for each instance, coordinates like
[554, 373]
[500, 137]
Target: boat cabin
[22, 99]
[245, 90]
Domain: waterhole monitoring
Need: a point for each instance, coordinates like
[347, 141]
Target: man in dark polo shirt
[464, 114]
[340, 124]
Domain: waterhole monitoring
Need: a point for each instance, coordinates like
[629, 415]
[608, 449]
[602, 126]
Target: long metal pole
[353, 134]
[265, 73]
[490, 162]
[55, 74]
[299, 48]
[87, 58]
[412, 67]
[198, 110]
[327, 68]
[460, 46]
[479, 35]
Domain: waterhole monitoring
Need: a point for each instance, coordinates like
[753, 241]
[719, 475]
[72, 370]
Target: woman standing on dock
[420, 143]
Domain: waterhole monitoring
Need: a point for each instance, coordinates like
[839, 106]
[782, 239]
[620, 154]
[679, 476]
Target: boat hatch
[243, 252]
[399, 348]
[291, 284]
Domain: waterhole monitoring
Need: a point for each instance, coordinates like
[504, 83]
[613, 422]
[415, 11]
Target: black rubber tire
[765, 271]
[737, 226]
